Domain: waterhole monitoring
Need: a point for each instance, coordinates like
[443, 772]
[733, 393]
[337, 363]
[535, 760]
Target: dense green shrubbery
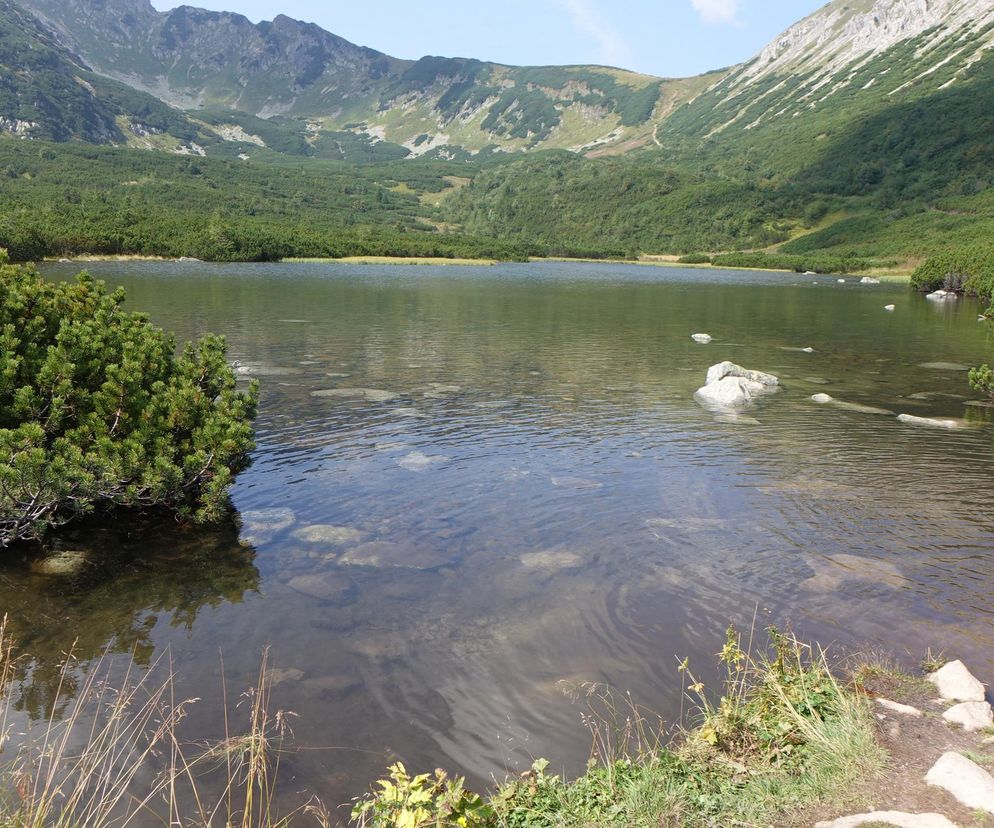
[97, 411]
[695, 258]
[969, 270]
[783, 261]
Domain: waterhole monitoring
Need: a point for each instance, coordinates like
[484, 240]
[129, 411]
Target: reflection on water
[472, 484]
[137, 574]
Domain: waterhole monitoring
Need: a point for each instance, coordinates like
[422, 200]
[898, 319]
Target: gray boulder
[956, 683]
[965, 780]
[971, 716]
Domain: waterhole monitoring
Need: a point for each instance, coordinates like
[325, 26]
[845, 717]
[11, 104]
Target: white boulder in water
[869, 280]
[890, 307]
[729, 386]
[701, 338]
[941, 295]
[933, 422]
[821, 398]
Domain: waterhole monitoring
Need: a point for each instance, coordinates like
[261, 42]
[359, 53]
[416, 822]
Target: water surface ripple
[533, 497]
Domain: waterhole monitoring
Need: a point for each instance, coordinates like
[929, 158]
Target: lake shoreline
[897, 274]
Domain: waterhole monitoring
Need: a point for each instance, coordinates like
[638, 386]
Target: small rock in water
[890, 307]
[965, 780]
[324, 533]
[869, 280]
[65, 563]
[957, 683]
[817, 380]
[971, 716]
[932, 422]
[941, 296]
[841, 281]
[701, 338]
[821, 398]
[418, 461]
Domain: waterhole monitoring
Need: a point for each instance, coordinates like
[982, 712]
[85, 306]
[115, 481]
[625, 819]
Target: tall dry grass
[114, 758]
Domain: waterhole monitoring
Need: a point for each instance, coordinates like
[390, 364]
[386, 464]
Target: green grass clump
[695, 258]
[784, 735]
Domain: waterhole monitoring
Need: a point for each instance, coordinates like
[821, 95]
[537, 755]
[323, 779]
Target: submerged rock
[325, 586]
[552, 559]
[957, 683]
[859, 408]
[64, 564]
[259, 525]
[282, 676]
[817, 380]
[257, 370]
[368, 394]
[944, 366]
[575, 483]
[833, 571]
[418, 461]
[386, 554]
[325, 533]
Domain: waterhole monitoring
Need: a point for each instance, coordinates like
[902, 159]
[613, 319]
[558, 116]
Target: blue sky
[659, 37]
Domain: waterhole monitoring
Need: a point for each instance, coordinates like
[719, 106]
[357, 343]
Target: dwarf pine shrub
[97, 410]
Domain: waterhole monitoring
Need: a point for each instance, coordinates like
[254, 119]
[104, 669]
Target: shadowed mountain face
[49, 92]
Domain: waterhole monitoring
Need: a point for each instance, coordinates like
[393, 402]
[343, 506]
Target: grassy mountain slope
[871, 147]
[341, 98]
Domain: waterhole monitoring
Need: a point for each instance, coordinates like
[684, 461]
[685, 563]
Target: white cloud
[718, 11]
[613, 49]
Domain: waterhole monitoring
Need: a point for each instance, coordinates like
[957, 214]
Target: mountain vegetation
[859, 137]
